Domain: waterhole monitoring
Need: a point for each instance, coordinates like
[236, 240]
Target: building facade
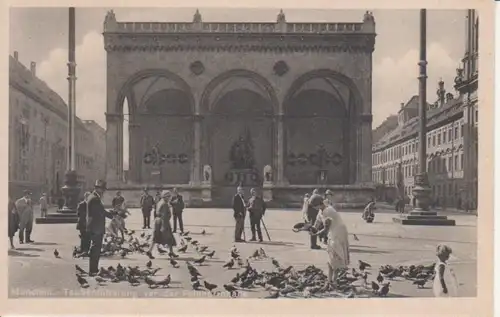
[37, 136]
[452, 140]
[222, 104]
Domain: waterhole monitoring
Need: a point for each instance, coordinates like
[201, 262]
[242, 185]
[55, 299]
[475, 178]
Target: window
[449, 134]
[462, 161]
[456, 133]
[434, 140]
[462, 130]
[444, 136]
[450, 163]
[428, 140]
[456, 162]
[439, 139]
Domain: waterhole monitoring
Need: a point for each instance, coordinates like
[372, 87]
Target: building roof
[24, 80]
[410, 128]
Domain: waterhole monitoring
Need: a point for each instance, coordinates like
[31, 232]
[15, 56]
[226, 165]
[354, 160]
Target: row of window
[435, 138]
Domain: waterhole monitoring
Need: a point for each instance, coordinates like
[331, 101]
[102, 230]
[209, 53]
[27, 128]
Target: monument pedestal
[206, 192]
[267, 192]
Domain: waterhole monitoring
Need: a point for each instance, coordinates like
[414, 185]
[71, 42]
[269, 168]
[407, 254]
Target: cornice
[320, 43]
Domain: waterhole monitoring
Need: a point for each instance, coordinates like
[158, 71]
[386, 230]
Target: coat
[96, 214]
[13, 219]
[82, 215]
[162, 230]
[256, 207]
[177, 204]
[147, 202]
[239, 207]
[25, 212]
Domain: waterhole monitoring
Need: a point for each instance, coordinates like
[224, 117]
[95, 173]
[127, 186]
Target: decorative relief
[320, 159]
[281, 68]
[197, 68]
[157, 158]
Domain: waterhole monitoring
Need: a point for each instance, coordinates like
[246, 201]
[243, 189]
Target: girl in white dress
[338, 241]
[445, 281]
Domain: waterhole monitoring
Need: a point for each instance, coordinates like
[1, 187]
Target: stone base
[423, 218]
[284, 196]
[67, 211]
[57, 218]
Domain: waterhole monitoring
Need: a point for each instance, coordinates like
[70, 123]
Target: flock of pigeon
[279, 282]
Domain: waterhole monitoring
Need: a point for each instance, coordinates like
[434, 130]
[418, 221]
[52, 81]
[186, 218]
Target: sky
[40, 35]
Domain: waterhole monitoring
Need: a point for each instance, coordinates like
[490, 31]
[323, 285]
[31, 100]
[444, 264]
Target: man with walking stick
[256, 209]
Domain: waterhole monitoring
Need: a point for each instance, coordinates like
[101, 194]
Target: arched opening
[166, 123]
[320, 142]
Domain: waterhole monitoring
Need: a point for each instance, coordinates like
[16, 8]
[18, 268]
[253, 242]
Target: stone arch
[252, 76]
[144, 74]
[334, 90]
[136, 133]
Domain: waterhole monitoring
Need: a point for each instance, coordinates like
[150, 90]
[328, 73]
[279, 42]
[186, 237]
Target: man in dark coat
[96, 223]
[310, 217]
[239, 208]
[82, 224]
[147, 204]
[256, 210]
[177, 204]
[118, 200]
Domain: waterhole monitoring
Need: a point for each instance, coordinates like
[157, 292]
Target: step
[56, 220]
[416, 217]
[422, 213]
[58, 215]
[424, 222]
[66, 211]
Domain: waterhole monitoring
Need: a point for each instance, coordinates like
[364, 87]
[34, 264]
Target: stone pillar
[196, 159]
[135, 154]
[113, 140]
[280, 153]
[364, 149]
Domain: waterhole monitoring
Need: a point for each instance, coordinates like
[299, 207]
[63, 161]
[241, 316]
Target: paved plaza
[34, 271]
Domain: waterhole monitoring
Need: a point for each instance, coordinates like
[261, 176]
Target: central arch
[321, 110]
[239, 129]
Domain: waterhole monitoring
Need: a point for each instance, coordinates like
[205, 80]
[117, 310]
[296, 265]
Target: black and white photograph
[243, 153]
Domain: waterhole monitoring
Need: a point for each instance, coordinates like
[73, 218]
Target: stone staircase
[58, 217]
[423, 218]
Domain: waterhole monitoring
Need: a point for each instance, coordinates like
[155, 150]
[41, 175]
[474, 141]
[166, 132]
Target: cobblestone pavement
[34, 271]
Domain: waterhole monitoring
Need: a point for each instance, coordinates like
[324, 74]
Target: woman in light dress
[445, 280]
[338, 241]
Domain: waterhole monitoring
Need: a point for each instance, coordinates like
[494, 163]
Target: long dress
[450, 280]
[338, 240]
[162, 229]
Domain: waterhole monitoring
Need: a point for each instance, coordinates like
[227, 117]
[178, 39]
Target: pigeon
[183, 248]
[211, 254]
[192, 270]
[149, 264]
[276, 263]
[99, 280]
[203, 232]
[195, 242]
[363, 265]
[229, 264]
[184, 233]
[79, 269]
[230, 288]
[83, 282]
[380, 278]
[56, 253]
[420, 283]
[174, 263]
[165, 282]
[355, 237]
[384, 290]
[202, 249]
[133, 281]
[143, 234]
[200, 260]
[123, 253]
[196, 285]
[375, 286]
[209, 286]
[236, 278]
[187, 239]
[151, 283]
[75, 252]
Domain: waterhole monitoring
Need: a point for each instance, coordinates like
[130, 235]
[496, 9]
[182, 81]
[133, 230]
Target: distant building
[37, 136]
[451, 138]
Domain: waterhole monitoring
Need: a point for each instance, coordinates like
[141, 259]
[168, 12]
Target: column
[113, 147]
[364, 149]
[196, 159]
[280, 153]
[135, 154]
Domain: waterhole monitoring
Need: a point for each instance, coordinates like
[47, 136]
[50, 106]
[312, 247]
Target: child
[368, 214]
[117, 224]
[445, 281]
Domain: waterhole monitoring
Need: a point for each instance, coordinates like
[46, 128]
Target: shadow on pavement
[21, 254]
[30, 249]
[356, 250]
[281, 243]
[45, 243]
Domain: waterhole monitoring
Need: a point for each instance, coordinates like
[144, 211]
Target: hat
[166, 193]
[26, 192]
[100, 184]
[328, 192]
[316, 200]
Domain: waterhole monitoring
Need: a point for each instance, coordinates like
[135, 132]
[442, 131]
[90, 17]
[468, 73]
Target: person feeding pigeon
[310, 215]
[117, 225]
[338, 241]
[163, 234]
[368, 212]
[445, 280]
